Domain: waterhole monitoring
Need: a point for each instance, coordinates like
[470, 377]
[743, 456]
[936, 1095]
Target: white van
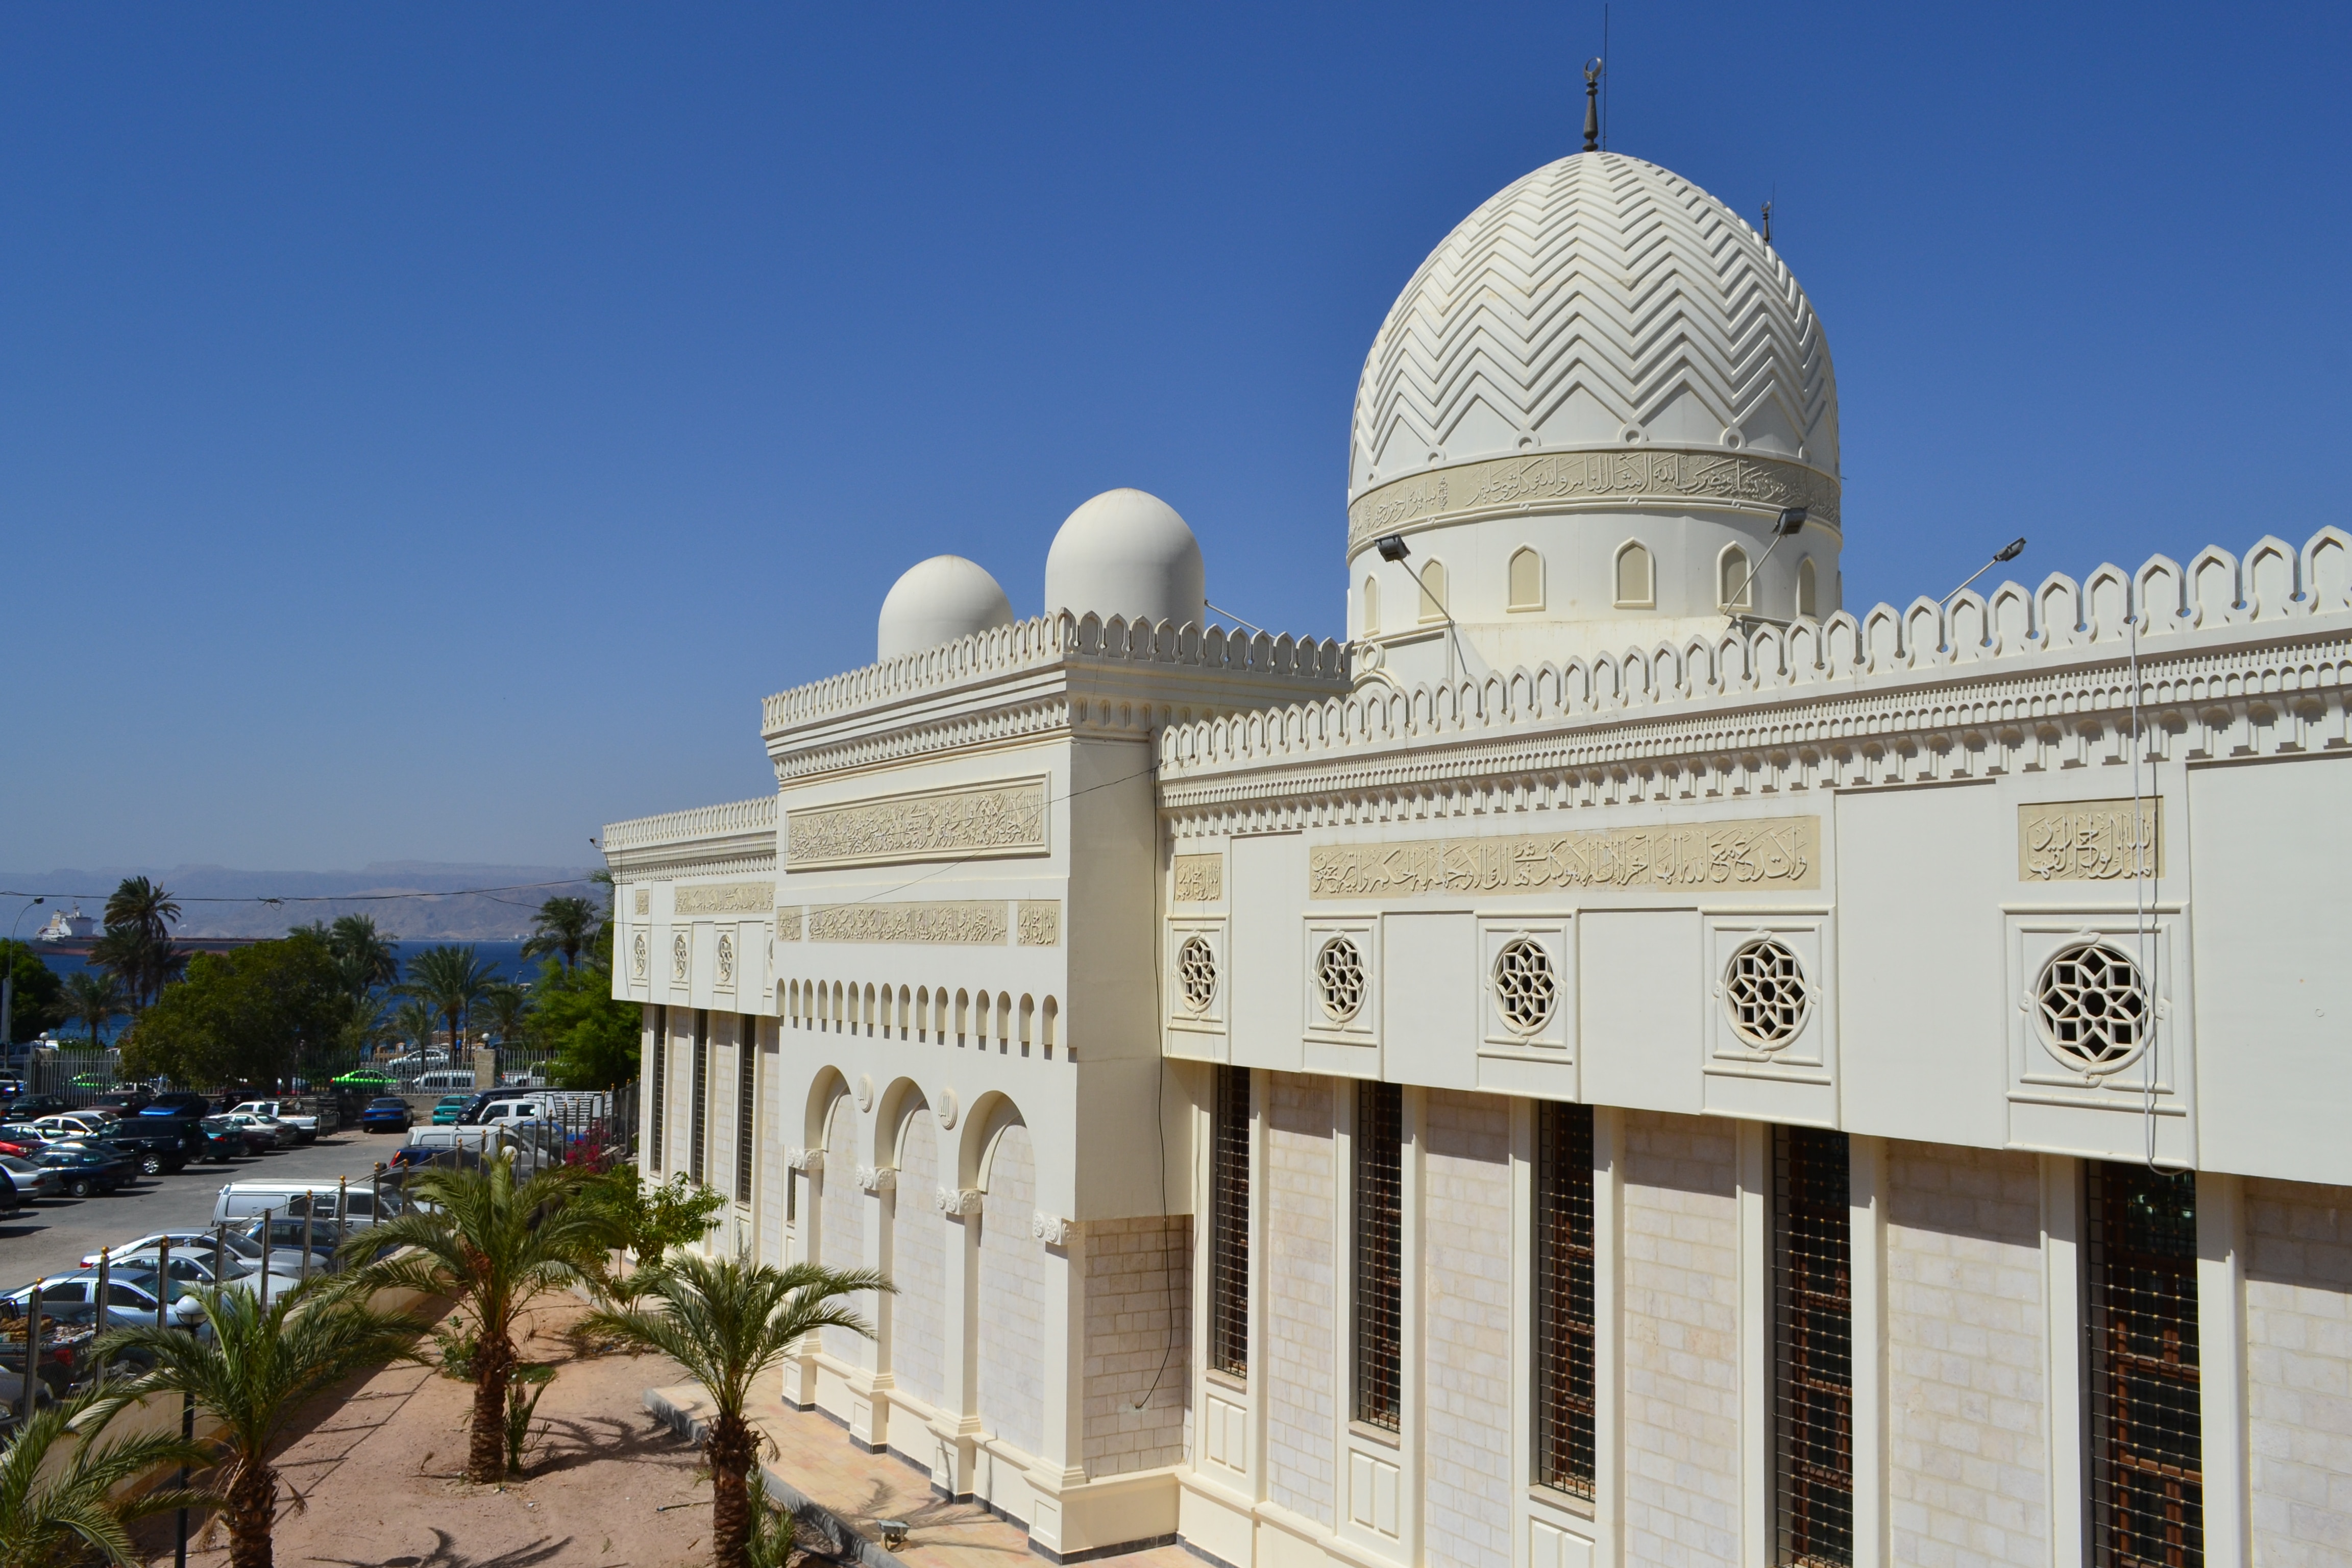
[534, 1143]
[445, 1082]
[240, 1201]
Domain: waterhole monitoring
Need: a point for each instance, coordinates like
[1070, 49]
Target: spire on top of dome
[1592, 104]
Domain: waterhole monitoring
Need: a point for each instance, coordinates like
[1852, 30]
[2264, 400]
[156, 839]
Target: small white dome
[1127, 554]
[937, 601]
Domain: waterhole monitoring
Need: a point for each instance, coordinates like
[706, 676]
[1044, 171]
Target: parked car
[22, 1140]
[33, 1180]
[241, 1201]
[193, 1269]
[229, 1239]
[130, 1299]
[305, 1125]
[156, 1147]
[179, 1103]
[123, 1101]
[84, 1169]
[281, 1133]
[222, 1139]
[286, 1242]
[387, 1113]
[11, 1198]
[449, 1108]
[24, 1108]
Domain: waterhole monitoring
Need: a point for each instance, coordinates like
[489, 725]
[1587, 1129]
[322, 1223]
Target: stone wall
[845, 1225]
[1012, 1298]
[918, 1245]
[1467, 1312]
[1680, 1341]
[2299, 1373]
[1966, 1358]
[1138, 1283]
[1301, 1307]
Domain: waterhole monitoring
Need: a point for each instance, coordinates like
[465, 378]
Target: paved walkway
[816, 1458]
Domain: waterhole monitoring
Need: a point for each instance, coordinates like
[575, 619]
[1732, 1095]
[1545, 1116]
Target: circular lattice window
[1764, 991]
[1339, 979]
[1196, 973]
[1526, 987]
[2092, 1008]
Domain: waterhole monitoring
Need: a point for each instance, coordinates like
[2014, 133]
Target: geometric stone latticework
[1598, 301]
[2092, 1008]
[1525, 989]
[1764, 990]
[1339, 979]
[1196, 973]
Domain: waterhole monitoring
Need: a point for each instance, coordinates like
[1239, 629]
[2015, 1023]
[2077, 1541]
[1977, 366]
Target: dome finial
[1592, 104]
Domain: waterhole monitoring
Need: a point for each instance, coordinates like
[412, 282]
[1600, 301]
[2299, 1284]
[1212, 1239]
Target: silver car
[32, 1181]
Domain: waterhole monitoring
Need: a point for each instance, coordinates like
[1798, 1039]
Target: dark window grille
[2147, 1493]
[1380, 1253]
[747, 1064]
[1563, 1304]
[1812, 1344]
[659, 1137]
[698, 1116]
[1229, 1199]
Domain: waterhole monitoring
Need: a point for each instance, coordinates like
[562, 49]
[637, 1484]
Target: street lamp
[8, 988]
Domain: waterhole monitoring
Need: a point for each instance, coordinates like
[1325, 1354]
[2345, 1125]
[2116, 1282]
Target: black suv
[159, 1143]
[24, 1108]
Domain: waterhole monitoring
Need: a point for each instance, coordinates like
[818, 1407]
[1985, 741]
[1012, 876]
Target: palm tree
[561, 928]
[368, 957]
[452, 979]
[728, 1321]
[57, 1507]
[254, 1371]
[138, 904]
[480, 1237]
[414, 1021]
[92, 997]
[508, 1008]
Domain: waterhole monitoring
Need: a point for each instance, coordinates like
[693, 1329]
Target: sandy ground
[378, 1465]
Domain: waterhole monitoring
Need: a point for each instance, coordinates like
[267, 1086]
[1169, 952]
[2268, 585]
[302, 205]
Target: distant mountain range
[407, 899]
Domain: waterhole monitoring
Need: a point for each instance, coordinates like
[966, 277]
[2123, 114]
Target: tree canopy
[252, 1014]
[591, 1037]
[39, 1000]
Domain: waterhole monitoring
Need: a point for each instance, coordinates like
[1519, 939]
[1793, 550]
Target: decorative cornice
[698, 826]
[1611, 479]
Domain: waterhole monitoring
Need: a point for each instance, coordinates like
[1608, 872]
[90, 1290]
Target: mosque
[1623, 1059]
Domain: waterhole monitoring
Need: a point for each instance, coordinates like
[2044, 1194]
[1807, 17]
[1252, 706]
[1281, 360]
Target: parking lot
[51, 1236]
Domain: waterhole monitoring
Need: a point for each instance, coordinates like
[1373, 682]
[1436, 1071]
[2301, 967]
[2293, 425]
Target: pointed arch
[1527, 579]
[1636, 577]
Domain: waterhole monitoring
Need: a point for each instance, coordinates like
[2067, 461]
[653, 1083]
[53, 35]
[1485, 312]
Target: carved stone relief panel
[1771, 853]
[2102, 1051]
[983, 822]
[681, 963]
[1200, 878]
[641, 900]
[640, 955]
[1039, 923]
[968, 922]
[788, 923]
[2089, 841]
[725, 897]
[722, 976]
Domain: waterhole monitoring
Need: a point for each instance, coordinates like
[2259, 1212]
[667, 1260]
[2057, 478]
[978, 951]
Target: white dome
[1127, 554]
[937, 601]
[1599, 303]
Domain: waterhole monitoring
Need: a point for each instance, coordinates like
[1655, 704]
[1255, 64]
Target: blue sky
[427, 432]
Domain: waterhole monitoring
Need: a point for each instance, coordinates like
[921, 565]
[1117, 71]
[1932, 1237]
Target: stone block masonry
[2299, 1373]
[1302, 1307]
[1467, 1305]
[1139, 1285]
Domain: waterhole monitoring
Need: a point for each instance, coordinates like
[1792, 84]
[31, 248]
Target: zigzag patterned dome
[1601, 303]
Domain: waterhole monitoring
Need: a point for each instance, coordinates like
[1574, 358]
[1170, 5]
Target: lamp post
[8, 985]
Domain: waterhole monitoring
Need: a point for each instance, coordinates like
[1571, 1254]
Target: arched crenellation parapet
[2268, 578]
[2326, 571]
[2213, 594]
[2108, 603]
[1968, 627]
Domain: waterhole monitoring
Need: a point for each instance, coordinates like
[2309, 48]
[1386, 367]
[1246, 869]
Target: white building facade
[1618, 1062]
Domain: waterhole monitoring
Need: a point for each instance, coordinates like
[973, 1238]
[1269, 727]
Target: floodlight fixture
[1391, 547]
[1792, 521]
[2009, 552]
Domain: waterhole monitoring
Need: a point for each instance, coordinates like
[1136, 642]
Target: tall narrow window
[1635, 588]
[698, 1116]
[1433, 591]
[1563, 1304]
[1372, 605]
[1809, 591]
[1734, 572]
[1229, 1238]
[747, 1071]
[2148, 1492]
[1379, 1254]
[659, 1138]
[1813, 1348]
[1527, 579]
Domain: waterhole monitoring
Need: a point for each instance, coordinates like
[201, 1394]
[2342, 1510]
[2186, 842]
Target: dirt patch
[378, 1469]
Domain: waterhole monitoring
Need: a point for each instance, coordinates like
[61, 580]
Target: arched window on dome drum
[1372, 605]
[1636, 590]
[1808, 589]
[1733, 590]
[1527, 579]
[1433, 591]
